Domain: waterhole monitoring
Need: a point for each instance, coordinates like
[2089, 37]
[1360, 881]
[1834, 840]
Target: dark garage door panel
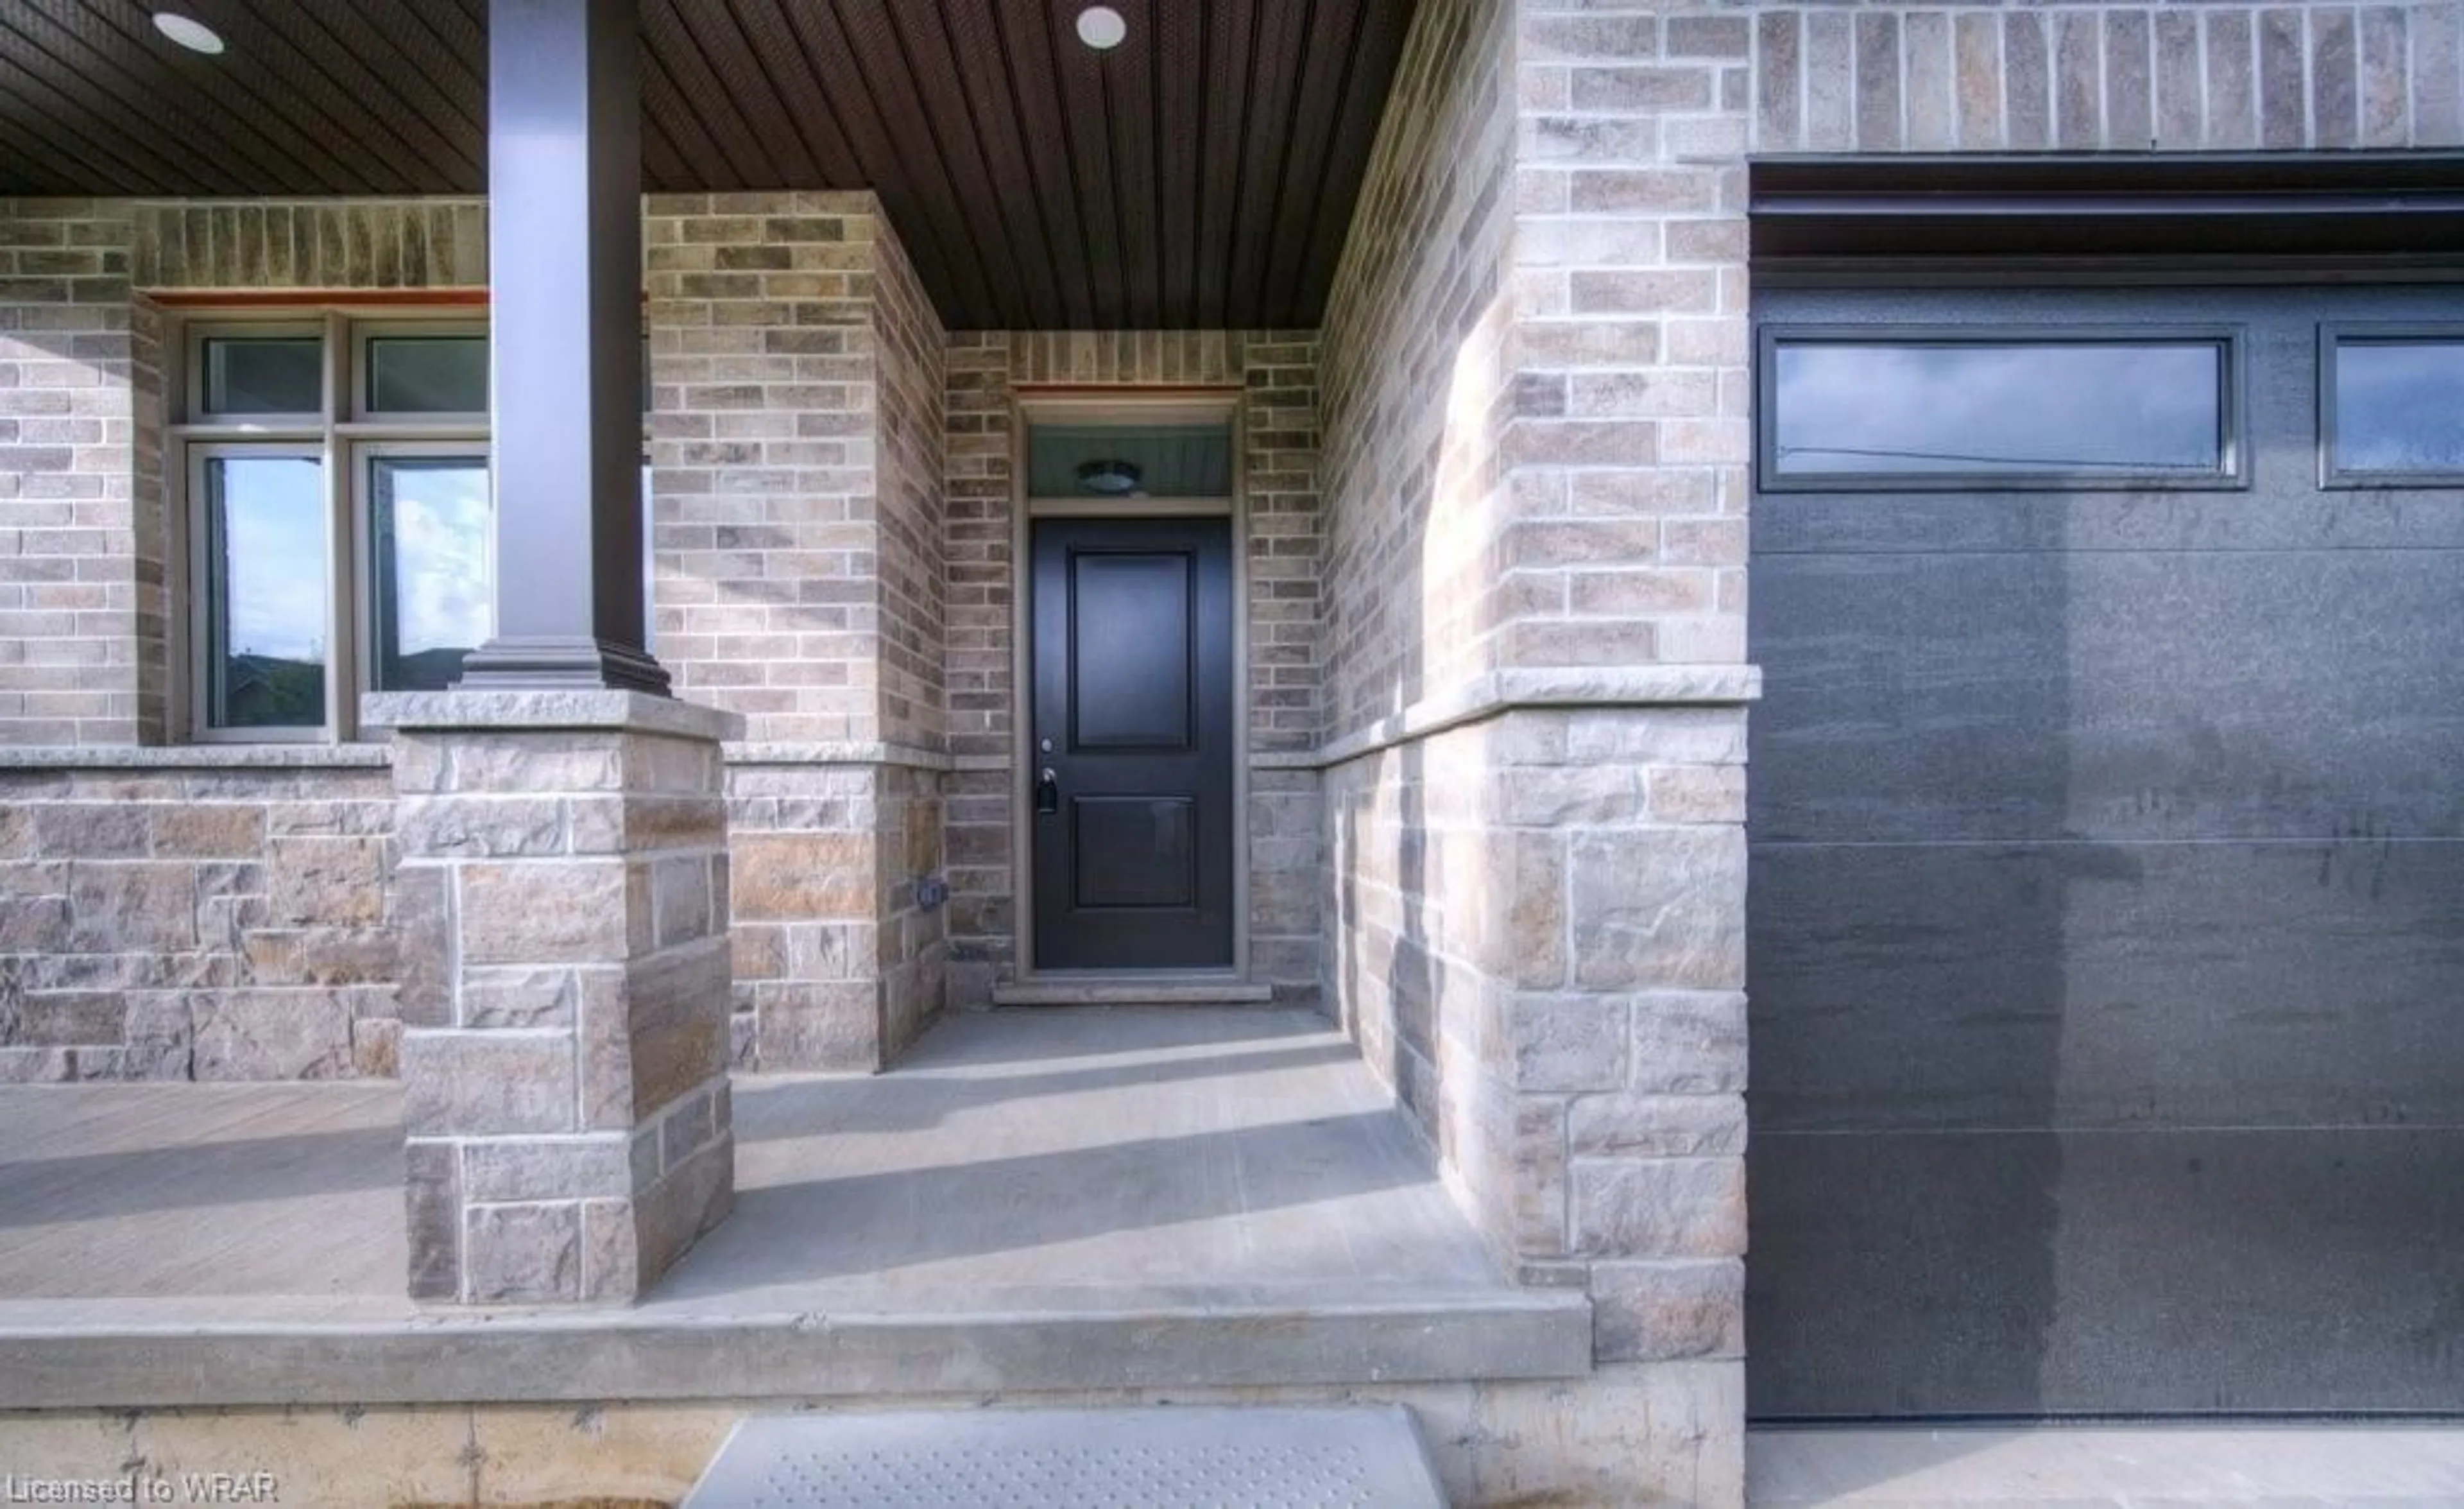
[2107, 986]
[2106, 930]
[2086, 1272]
[2111, 695]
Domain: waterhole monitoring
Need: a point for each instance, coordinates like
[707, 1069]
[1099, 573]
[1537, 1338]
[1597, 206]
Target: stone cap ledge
[197, 757]
[1500, 692]
[578, 708]
[834, 751]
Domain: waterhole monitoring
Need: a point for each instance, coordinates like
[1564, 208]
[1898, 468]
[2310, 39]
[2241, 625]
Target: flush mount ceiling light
[1115, 477]
[191, 33]
[1101, 28]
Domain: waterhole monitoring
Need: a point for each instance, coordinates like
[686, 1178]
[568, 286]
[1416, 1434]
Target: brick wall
[197, 246]
[907, 344]
[2124, 77]
[210, 915]
[1412, 376]
[215, 914]
[1630, 446]
[1628, 460]
[762, 455]
[86, 568]
[796, 472]
[908, 808]
[1275, 374]
[78, 612]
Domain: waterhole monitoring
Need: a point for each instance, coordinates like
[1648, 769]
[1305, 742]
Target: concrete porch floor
[1052, 1198]
[1066, 1155]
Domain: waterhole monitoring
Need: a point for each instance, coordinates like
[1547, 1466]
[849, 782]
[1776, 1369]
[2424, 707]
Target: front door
[1132, 743]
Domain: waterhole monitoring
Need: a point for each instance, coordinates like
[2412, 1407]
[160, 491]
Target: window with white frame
[339, 516]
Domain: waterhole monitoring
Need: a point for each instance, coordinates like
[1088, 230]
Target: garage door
[2107, 897]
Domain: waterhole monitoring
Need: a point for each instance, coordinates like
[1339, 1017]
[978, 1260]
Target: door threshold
[1132, 989]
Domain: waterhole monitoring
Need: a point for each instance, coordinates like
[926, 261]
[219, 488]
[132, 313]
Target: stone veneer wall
[562, 888]
[1276, 373]
[837, 965]
[208, 915]
[1536, 372]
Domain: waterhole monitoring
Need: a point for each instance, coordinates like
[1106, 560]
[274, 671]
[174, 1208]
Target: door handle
[1047, 792]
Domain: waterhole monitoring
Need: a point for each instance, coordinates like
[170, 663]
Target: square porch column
[562, 892]
[565, 313]
[561, 825]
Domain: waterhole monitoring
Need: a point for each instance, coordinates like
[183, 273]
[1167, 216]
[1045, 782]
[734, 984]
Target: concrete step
[1143, 991]
[288, 1350]
[1153, 1458]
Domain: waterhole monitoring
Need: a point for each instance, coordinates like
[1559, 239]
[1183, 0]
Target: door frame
[1121, 404]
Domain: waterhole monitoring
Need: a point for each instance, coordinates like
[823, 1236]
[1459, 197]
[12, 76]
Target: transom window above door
[1067, 458]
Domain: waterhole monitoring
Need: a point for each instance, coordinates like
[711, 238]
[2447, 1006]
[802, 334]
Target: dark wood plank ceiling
[1200, 175]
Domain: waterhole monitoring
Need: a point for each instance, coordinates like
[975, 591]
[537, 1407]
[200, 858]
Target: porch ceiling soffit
[1200, 175]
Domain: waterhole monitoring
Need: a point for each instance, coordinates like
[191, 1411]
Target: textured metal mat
[1153, 1458]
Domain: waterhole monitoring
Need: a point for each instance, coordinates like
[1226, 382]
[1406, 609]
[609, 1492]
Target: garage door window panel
[2392, 406]
[1870, 409]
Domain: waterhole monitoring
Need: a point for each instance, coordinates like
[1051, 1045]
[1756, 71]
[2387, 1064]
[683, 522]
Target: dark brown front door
[1132, 743]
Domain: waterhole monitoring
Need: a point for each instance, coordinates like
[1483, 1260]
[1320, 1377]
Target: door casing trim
[1128, 406]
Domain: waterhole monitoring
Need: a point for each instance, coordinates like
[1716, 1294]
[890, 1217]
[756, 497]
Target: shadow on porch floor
[1050, 1153]
[1043, 1199]
[160, 1191]
[1012, 1157]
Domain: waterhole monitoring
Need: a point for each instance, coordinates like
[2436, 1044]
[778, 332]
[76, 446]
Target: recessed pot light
[189, 32]
[1101, 28]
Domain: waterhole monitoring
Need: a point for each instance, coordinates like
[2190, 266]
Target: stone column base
[562, 892]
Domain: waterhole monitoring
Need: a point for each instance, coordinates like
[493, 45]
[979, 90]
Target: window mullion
[343, 670]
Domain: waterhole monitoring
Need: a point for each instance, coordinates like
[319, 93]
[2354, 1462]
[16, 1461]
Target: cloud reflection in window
[2400, 406]
[2041, 408]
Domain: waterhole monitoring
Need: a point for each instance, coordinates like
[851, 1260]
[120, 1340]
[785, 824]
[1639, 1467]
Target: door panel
[2107, 917]
[1134, 699]
[1133, 851]
[1130, 674]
